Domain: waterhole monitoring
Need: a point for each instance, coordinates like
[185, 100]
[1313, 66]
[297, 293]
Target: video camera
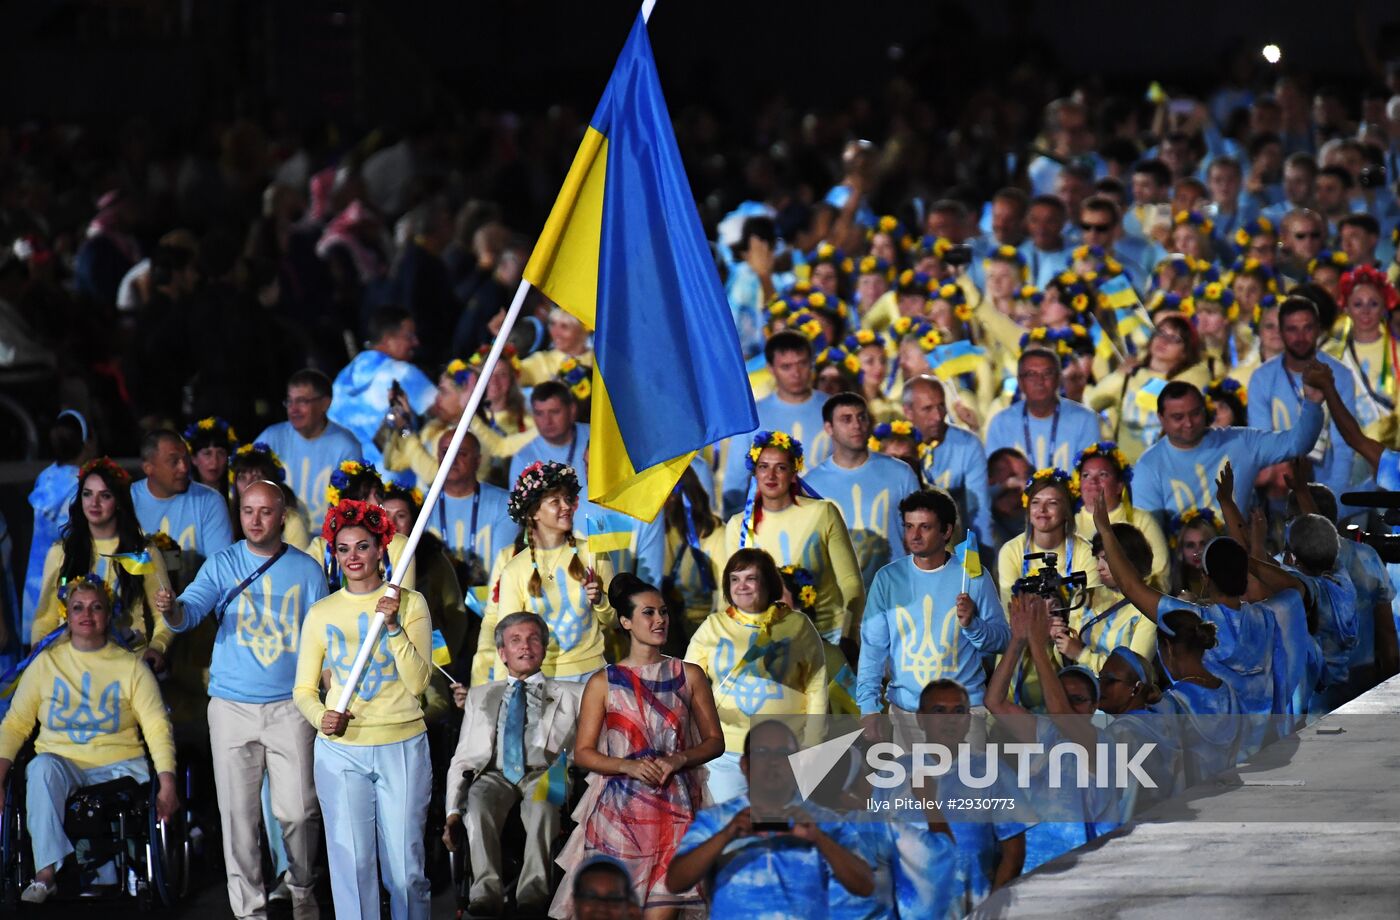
[1066, 592]
[1386, 544]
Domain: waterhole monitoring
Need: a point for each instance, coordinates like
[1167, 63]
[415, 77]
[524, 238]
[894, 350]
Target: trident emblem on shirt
[340, 655]
[81, 722]
[749, 688]
[567, 624]
[924, 655]
[265, 635]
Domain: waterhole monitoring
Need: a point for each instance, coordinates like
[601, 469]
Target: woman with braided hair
[373, 774]
[101, 524]
[554, 576]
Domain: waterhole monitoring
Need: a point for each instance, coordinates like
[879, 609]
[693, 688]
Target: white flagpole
[371, 637]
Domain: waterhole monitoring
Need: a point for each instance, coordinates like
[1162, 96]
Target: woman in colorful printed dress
[646, 725]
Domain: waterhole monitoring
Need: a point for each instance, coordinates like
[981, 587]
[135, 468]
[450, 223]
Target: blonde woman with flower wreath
[568, 339]
[555, 576]
[372, 769]
[1051, 498]
[797, 527]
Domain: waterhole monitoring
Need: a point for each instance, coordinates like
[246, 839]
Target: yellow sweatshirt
[812, 534]
[89, 707]
[1125, 625]
[758, 676]
[49, 612]
[316, 549]
[576, 639]
[385, 706]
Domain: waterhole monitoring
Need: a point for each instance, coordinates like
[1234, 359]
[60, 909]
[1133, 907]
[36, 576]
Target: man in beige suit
[512, 731]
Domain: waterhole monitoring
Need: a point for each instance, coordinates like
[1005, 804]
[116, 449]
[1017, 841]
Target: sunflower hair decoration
[92, 582]
[1098, 256]
[932, 246]
[1195, 219]
[1215, 292]
[1168, 302]
[477, 360]
[534, 482]
[863, 338]
[806, 593]
[1030, 294]
[827, 254]
[258, 450]
[211, 431]
[836, 356]
[1105, 450]
[348, 472]
[1179, 522]
[1228, 386]
[402, 488]
[1329, 258]
[1009, 255]
[888, 431]
[108, 467]
[351, 513]
[577, 376]
[1257, 227]
[874, 265]
[909, 328]
[916, 284]
[778, 440]
[1048, 477]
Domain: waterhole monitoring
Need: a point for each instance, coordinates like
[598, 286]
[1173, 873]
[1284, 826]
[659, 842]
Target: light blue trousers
[50, 780]
[374, 803]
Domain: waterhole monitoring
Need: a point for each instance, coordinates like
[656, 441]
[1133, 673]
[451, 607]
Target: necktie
[513, 758]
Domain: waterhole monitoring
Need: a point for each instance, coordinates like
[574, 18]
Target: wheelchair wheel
[11, 844]
[164, 855]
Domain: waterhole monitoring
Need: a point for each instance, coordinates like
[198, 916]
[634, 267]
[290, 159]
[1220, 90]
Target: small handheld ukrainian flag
[135, 563]
[624, 252]
[553, 785]
[1118, 292]
[970, 554]
[956, 358]
[1146, 396]
[609, 532]
[442, 655]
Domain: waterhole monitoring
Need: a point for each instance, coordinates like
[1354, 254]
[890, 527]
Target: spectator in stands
[360, 396]
[515, 729]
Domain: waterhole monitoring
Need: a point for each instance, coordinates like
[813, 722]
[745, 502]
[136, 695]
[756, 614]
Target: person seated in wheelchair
[89, 696]
[512, 731]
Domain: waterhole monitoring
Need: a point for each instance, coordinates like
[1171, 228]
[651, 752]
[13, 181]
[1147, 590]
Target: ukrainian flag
[442, 655]
[624, 252]
[609, 532]
[1118, 292]
[135, 563]
[955, 358]
[970, 555]
[1146, 395]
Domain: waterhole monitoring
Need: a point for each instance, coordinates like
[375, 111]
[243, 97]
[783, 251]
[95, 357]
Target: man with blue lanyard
[1048, 429]
[562, 438]
[470, 517]
[258, 591]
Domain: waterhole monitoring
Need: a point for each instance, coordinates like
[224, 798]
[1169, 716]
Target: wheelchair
[113, 822]
[512, 848]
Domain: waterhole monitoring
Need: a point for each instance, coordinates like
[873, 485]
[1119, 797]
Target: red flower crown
[350, 513]
[1365, 274]
[107, 465]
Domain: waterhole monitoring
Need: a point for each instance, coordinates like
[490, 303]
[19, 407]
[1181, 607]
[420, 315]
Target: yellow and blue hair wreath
[1216, 292]
[888, 431]
[1180, 522]
[1104, 450]
[348, 472]
[211, 431]
[577, 376]
[1051, 477]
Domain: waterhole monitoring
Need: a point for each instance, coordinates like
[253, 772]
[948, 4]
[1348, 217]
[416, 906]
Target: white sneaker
[37, 892]
[282, 892]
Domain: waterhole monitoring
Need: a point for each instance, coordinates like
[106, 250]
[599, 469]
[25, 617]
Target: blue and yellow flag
[971, 556]
[961, 357]
[1146, 395]
[553, 784]
[624, 252]
[135, 563]
[608, 532]
[1118, 292]
[442, 655]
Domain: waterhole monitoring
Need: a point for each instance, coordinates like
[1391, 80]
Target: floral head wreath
[1328, 257]
[874, 265]
[1177, 262]
[912, 283]
[577, 376]
[806, 585]
[827, 254]
[91, 581]
[351, 513]
[805, 324]
[953, 296]
[478, 359]
[1180, 522]
[929, 245]
[1104, 450]
[213, 429]
[1249, 265]
[1048, 477]
[537, 480]
[888, 431]
[1011, 256]
[1366, 275]
[1167, 302]
[1065, 343]
[1228, 386]
[1030, 294]
[1257, 227]
[1076, 290]
[404, 491]
[779, 440]
[346, 473]
[1107, 265]
[839, 357]
[910, 328]
[1216, 292]
[1195, 219]
[105, 465]
[253, 451]
[1267, 302]
[863, 338]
